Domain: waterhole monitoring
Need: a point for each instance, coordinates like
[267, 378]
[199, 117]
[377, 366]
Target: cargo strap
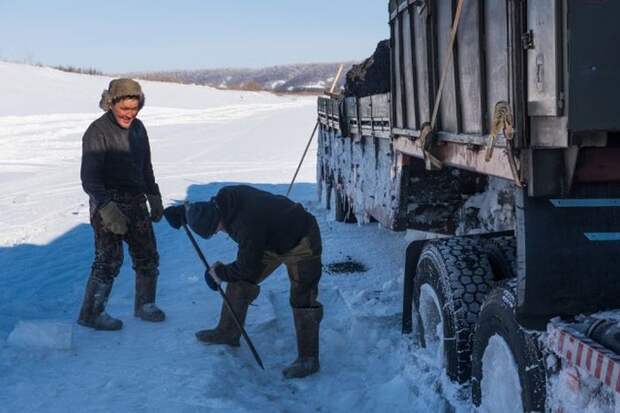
[502, 122]
[427, 133]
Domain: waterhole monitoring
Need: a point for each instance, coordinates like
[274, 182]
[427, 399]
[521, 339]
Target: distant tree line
[82, 70]
[294, 78]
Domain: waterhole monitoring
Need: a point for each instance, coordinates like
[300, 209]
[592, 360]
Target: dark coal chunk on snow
[346, 267]
[372, 76]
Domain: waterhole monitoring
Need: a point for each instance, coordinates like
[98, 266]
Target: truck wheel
[325, 195]
[508, 373]
[502, 254]
[337, 205]
[452, 280]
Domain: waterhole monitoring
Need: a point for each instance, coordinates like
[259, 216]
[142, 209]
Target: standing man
[270, 230]
[118, 177]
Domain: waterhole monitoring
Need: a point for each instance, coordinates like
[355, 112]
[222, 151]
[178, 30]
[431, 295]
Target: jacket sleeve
[248, 265]
[149, 176]
[92, 168]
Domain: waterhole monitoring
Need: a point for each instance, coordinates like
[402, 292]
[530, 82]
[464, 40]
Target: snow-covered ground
[201, 139]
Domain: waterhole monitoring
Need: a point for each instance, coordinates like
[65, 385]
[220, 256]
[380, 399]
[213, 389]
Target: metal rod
[227, 303]
[337, 78]
[316, 125]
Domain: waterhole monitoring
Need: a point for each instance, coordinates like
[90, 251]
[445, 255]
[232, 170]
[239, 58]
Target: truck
[497, 148]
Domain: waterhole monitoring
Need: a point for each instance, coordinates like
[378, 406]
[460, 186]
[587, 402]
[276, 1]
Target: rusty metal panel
[420, 27]
[350, 105]
[408, 70]
[496, 52]
[448, 109]
[549, 132]
[461, 156]
[470, 77]
[380, 106]
[372, 190]
[543, 57]
[364, 107]
[398, 97]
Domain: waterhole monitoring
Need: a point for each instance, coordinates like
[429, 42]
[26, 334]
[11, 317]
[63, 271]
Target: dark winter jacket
[116, 159]
[258, 221]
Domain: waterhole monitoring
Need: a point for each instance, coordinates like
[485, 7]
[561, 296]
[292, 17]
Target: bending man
[270, 230]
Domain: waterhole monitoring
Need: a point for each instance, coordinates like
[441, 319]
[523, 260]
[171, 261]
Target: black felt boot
[240, 294]
[307, 321]
[93, 313]
[144, 304]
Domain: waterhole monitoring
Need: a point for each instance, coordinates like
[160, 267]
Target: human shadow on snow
[47, 281]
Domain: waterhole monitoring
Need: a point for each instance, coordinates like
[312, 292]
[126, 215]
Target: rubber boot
[307, 322]
[240, 294]
[144, 304]
[93, 313]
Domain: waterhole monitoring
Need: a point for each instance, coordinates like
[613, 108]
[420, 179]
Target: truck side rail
[370, 117]
[367, 116]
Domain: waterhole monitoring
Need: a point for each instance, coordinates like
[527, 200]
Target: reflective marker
[585, 203]
[603, 236]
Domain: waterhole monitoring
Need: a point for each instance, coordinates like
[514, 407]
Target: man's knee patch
[305, 276]
[309, 270]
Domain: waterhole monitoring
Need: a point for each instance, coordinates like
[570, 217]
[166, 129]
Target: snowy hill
[294, 78]
[201, 139]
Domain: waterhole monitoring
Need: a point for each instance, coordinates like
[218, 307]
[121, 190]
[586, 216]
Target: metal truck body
[526, 97]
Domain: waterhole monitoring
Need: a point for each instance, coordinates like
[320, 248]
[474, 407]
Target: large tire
[456, 275]
[340, 211]
[340, 206]
[325, 194]
[502, 254]
[522, 363]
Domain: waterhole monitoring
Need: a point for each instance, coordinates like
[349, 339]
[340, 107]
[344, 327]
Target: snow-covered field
[201, 139]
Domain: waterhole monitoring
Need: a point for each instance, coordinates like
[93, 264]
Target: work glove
[211, 277]
[113, 218]
[157, 208]
[175, 215]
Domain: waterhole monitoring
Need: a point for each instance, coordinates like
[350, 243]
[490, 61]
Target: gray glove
[113, 218]
[157, 207]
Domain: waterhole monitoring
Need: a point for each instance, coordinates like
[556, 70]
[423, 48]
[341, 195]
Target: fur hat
[203, 217]
[118, 89]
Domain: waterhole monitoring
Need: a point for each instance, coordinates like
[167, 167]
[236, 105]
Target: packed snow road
[201, 139]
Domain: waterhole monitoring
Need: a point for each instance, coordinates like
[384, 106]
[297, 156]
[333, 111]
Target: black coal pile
[348, 266]
[372, 76]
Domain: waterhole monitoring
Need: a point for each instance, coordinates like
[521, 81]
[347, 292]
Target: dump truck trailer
[498, 149]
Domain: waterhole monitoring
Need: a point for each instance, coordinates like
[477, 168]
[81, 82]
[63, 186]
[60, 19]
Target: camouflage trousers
[304, 267]
[140, 240]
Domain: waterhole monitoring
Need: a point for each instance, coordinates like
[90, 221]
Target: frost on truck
[499, 133]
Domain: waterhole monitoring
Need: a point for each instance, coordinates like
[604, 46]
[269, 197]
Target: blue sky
[120, 36]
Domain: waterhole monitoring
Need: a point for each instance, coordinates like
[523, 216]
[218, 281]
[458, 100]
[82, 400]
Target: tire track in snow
[59, 134]
[59, 125]
[42, 151]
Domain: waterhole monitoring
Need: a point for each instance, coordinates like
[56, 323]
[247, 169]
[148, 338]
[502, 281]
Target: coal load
[372, 76]
[436, 198]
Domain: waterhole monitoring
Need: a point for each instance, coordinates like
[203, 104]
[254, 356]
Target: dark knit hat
[121, 88]
[203, 217]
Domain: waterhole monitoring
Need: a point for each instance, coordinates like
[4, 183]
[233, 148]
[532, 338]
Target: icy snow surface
[500, 375]
[201, 139]
[43, 334]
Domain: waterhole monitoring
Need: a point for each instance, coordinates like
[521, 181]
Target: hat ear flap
[141, 101]
[106, 101]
